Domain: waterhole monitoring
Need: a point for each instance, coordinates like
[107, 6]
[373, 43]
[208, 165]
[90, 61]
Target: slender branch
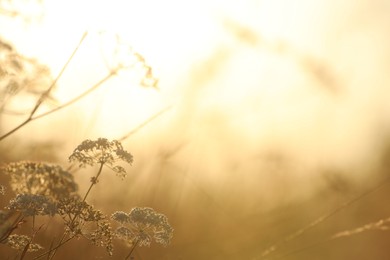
[143, 124]
[313, 224]
[52, 252]
[45, 94]
[94, 181]
[27, 246]
[82, 95]
[12, 227]
[296, 251]
[25, 249]
[15, 129]
[50, 248]
[54, 248]
[132, 249]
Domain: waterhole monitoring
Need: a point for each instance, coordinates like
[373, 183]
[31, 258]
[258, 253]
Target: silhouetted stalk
[62, 241]
[95, 180]
[300, 232]
[132, 249]
[46, 93]
[82, 95]
[54, 248]
[146, 122]
[14, 226]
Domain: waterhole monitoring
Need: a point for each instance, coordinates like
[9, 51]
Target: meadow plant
[46, 190]
[140, 226]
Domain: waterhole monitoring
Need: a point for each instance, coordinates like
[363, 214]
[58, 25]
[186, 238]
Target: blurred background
[267, 116]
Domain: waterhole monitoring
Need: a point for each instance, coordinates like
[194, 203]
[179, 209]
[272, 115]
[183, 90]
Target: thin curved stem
[45, 94]
[15, 129]
[94, 181]
[132, 249]
[150, 119]
[53, 249]
[12, 227]
[82, 95]
[300, 232]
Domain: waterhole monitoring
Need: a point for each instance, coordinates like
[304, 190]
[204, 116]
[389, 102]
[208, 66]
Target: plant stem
[12, 227]
[80, 96]
[94, 181]
[46, 93]
[150, 119]
[54, 250]
[132, 249]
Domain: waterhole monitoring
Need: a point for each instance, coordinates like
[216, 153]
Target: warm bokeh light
[275, 113]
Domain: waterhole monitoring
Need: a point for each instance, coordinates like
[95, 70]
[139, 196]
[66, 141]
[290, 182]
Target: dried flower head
[82, 219]
[121, 57]
[40, 179]
[19, 242]
[33, 205]
[101, 151]
[76, 213]
[102, 236]
[141, 225]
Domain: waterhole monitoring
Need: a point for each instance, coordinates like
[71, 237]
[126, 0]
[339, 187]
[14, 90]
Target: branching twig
[54, 248]
[132, 249]
[45, 94]
[143, 124]
[313, 224]
[82, 95]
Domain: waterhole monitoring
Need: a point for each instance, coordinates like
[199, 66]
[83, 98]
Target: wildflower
[40, 179]
[33, 205]
[141, 225]
[102, 236]
[102, 152]
[19, 242]
[76, 213]
[78, 216]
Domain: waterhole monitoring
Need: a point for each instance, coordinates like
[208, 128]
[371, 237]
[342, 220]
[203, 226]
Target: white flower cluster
[141, 225]
[33, 205]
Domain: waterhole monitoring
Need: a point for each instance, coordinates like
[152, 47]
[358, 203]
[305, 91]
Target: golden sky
[307, 80]
[266, 103]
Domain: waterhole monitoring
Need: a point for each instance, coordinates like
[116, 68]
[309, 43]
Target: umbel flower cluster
[40, 179]
[43, 189]
[102, 152]
[141, 225]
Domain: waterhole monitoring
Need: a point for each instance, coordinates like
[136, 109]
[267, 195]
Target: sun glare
[168, 35]
[255, 117]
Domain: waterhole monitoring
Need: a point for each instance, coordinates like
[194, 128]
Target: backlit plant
[46, 190]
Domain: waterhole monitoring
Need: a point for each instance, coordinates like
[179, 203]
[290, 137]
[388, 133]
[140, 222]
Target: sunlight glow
[262, 110]
[259, 69]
